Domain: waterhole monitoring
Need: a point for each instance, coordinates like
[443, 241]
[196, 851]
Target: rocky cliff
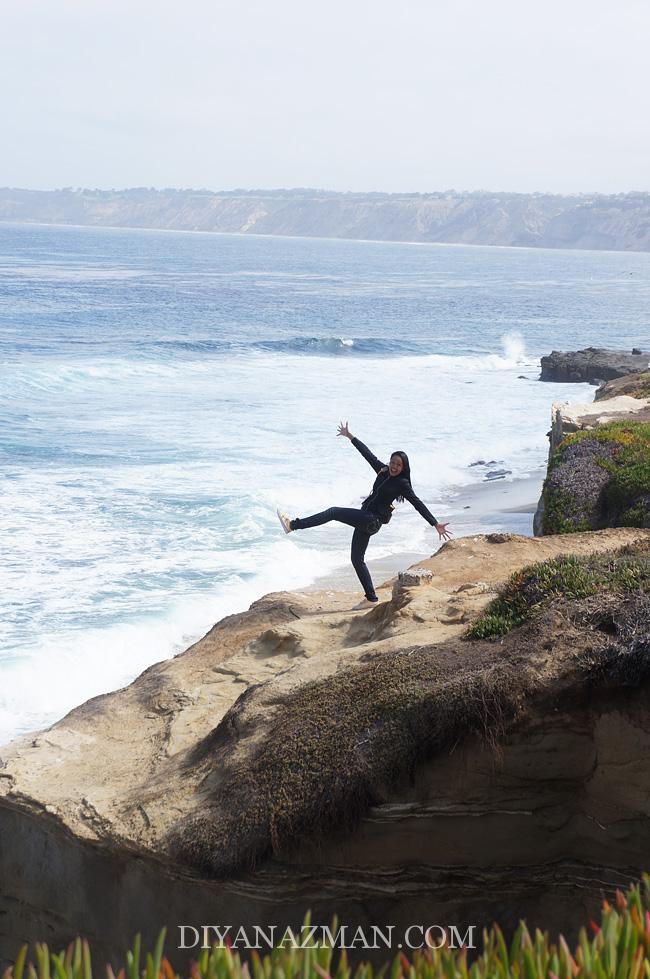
[620, 221]
[599, 460]
[381, 766]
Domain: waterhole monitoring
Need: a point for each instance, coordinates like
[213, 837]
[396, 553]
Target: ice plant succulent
[617, 947]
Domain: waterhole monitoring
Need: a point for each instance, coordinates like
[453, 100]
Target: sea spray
[514, 348]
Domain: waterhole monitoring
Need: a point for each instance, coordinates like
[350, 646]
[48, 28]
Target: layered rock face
[373, 765]
[592, 365]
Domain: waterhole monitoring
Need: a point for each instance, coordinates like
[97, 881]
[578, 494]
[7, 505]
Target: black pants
[365, 525]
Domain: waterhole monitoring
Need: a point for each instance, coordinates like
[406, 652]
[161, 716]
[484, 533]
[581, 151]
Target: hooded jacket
[387, 488]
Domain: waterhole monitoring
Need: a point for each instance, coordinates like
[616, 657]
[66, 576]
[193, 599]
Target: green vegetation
[559, 516]
[618, 948]
[576, 499]
[566, 576]
[643, 390]
[630, 477]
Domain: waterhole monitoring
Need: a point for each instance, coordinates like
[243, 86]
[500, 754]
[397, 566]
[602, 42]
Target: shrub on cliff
[599, 478]
[567, 576]
[323, 753]
[618, 947]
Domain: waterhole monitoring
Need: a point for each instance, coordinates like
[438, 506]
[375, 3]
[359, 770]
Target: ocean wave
[338, 345]
[512, 343]
[45, 376]
[323, 346]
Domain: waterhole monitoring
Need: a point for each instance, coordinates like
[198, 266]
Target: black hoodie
[387, 488]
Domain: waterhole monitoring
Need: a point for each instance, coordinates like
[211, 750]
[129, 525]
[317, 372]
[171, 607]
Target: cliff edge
[381, 766]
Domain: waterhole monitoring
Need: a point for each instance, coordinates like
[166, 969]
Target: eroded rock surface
[370, 764]
[636, 385]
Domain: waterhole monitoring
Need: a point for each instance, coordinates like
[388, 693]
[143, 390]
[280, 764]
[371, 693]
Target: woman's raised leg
[347, 515]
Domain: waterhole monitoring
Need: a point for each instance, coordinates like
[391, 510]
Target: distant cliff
[620, 222]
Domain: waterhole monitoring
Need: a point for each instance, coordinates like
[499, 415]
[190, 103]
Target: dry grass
[320, 756]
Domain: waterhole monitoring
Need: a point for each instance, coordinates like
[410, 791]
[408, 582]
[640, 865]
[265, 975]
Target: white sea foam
[66, 667]
[139, 488]
[151, 512]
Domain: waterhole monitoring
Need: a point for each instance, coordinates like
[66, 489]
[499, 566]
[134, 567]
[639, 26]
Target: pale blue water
[161, 394]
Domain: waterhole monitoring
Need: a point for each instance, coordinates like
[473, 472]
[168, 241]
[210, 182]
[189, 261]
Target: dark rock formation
[593, 365]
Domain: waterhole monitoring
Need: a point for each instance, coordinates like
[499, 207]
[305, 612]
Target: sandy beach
[488, 507]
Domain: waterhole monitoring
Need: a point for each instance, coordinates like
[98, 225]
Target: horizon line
[250, 191]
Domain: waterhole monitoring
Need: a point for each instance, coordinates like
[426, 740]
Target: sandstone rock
[440, 827]
[415, 576]
[569, 418]
[635, 385]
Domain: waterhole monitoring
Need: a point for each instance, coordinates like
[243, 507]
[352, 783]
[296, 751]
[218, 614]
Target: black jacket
[387, 488]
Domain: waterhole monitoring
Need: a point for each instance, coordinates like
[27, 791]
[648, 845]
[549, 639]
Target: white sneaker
[366, 603]
[285, 521]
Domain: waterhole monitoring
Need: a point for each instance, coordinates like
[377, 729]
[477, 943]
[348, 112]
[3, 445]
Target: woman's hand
[344, 430]
[443, 533]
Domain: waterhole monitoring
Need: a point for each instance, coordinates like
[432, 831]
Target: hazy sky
[344, 94]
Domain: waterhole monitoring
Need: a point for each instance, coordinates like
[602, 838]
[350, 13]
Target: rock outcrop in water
[592, 365]
[374, 765]
[620, 221]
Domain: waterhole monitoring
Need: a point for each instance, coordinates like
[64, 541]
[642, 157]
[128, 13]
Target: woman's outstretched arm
[360, 447]
[408, 494]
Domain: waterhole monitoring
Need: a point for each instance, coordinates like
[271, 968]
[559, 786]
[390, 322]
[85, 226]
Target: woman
[393, 482]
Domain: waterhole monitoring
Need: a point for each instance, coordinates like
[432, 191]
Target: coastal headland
[466, 751]
[596, 221]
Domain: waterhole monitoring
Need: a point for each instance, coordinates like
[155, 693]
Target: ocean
[162, 393]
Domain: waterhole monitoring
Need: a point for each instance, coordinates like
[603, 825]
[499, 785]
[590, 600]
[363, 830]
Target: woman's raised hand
[443, 533]
[344, 430]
